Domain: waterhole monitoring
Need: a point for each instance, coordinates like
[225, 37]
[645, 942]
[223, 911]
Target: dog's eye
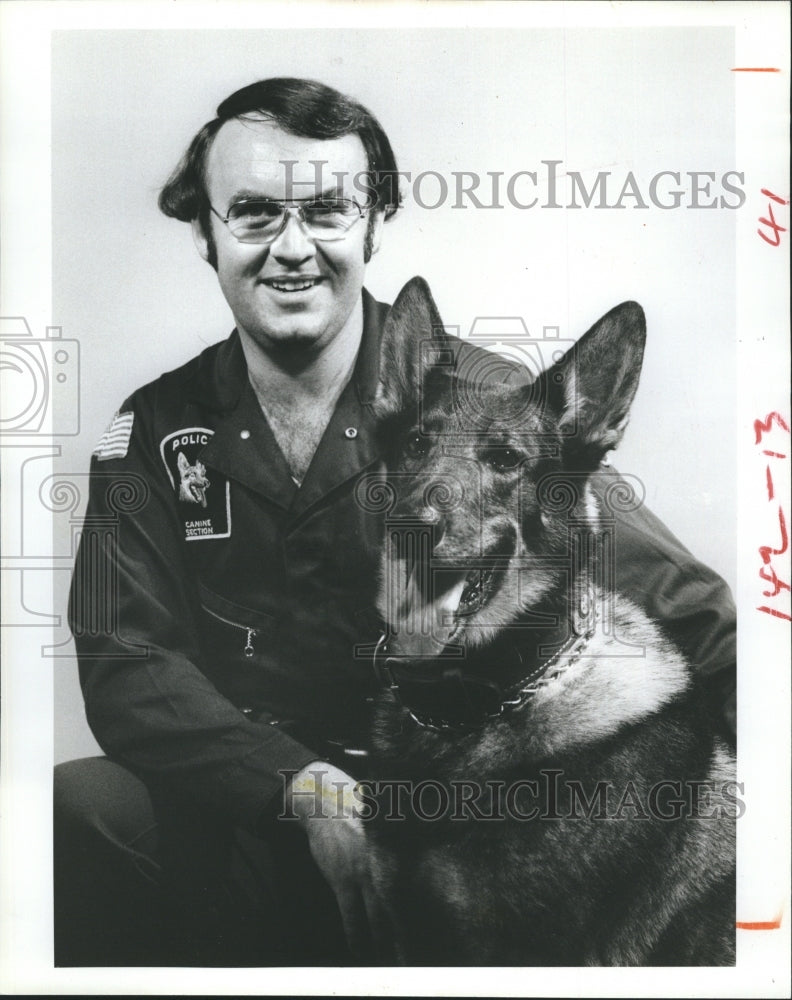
[416, 446]
[502, 459]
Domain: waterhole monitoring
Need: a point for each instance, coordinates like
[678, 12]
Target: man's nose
[293, 244]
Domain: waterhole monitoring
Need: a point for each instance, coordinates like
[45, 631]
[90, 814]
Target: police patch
[204, 499]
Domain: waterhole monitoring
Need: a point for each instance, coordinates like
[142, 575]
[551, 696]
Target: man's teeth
[294, 285]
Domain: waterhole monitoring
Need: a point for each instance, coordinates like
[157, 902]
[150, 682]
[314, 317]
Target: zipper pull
[249, 644]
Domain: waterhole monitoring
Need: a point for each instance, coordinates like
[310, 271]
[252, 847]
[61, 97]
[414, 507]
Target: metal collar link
[453, 701]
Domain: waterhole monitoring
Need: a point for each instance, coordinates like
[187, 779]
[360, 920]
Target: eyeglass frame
[292, 205]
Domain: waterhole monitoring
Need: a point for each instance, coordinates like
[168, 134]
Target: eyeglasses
[261, 220]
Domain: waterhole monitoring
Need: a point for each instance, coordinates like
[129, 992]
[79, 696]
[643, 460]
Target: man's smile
[293, 283]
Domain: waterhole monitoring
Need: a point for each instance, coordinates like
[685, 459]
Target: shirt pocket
[233, 629]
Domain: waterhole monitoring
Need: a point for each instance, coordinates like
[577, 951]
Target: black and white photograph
[395, 449]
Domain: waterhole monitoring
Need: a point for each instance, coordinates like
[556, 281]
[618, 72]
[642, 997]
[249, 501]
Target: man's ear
[199, 239]
[375, 232]
[405, 361]
[590, 390]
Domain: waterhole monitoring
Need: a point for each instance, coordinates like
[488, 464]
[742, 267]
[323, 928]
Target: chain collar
[473, 700]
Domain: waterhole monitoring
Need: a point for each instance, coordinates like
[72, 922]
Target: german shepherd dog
[562, 799]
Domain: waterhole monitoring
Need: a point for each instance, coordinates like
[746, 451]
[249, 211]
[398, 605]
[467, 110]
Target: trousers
[142, 878]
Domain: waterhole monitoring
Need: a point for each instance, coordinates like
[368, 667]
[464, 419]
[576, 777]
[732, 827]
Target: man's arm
[322, 798]
[134, 614]
[686, 598]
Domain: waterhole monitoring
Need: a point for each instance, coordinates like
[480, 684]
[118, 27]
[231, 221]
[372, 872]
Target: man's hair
[303, 107]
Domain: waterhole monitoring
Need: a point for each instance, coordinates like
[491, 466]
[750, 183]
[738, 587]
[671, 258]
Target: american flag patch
[115, 440]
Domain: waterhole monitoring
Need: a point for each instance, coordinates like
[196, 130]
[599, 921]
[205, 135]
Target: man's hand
[322, 797]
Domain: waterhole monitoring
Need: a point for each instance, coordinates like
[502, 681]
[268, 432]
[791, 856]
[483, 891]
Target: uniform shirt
[217, 607]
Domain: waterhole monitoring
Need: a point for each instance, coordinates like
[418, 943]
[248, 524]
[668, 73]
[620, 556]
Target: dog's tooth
[449, 605]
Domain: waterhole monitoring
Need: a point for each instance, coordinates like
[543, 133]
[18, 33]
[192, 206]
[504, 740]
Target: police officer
[223, 599]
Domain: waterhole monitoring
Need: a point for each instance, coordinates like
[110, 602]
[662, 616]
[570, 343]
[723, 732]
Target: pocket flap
[235, 614]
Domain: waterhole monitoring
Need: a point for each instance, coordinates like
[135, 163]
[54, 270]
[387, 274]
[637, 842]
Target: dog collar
[451, 700]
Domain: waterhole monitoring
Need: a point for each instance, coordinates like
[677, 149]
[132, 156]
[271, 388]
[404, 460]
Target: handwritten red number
[763, 426]
[775, 614]
[767, 572]
[766, 551]
[770, 490]
[776, 227]
[772, 577]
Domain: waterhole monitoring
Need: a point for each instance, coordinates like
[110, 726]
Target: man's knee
[106, 867]
[97, 799]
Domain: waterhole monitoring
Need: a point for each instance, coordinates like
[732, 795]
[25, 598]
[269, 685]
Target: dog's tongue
[427, 621]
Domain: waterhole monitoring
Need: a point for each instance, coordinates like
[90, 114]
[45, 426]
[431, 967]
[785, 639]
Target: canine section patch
[204, 501]
[114, 443]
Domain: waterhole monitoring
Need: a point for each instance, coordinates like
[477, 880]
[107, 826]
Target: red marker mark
[759, 925]
[755, 69]
[766, 551]
[776, 227]
[763, 426]
[775, 239]
[769, 194]
[772, 577]
[767, 571]
[775, 614]
[770, 490]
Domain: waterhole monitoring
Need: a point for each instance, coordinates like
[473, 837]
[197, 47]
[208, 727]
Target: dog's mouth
[198, 493]
[436, 603]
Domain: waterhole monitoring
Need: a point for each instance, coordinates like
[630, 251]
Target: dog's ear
[592, 387]
[412, 320]
[182, 462]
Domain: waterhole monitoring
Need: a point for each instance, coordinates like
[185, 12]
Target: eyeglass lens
[261, 220]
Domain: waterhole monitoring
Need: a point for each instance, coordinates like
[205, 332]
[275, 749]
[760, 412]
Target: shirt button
[350, 432]
[244, 435]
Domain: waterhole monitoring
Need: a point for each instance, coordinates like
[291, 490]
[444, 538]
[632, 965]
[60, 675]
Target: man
[226, 573]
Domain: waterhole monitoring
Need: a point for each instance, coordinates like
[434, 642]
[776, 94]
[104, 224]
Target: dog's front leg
[383, 870]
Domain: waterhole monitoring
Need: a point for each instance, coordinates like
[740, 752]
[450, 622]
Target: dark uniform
[222, 617]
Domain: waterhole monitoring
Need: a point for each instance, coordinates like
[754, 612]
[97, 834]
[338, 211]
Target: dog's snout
[432, 519]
